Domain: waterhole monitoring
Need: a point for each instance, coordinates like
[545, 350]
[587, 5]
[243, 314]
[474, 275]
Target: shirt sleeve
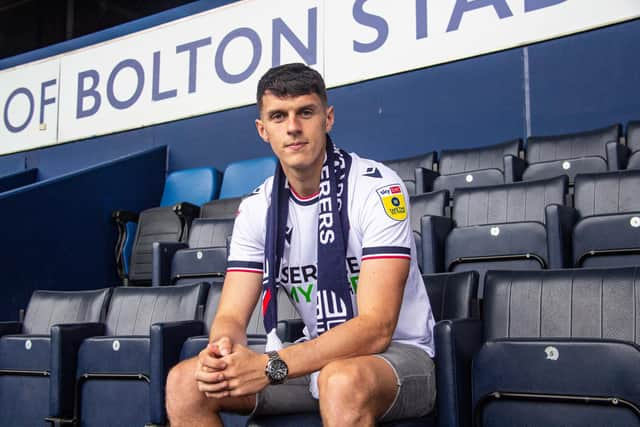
[246, 252]
[384, 220]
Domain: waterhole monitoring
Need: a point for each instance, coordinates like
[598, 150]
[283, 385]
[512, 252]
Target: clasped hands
[226, 369]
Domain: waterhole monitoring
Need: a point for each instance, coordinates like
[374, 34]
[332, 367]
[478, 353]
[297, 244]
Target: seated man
[332, 229]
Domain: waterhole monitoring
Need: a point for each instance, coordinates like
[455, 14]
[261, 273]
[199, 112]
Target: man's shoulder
[371, 174]
[258, 199]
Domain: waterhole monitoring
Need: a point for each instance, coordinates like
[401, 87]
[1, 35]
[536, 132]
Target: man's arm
[380, 290]
[240, 294]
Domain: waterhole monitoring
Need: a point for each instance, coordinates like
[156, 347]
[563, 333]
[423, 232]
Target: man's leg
[399, 383]
[188, 406]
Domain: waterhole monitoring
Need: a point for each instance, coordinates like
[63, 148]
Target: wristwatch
[276, 369]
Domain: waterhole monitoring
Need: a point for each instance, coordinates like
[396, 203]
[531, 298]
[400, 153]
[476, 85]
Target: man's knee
[343, 379]
[182, 394]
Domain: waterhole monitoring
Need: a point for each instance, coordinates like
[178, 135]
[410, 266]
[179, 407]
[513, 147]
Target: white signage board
[212, 61]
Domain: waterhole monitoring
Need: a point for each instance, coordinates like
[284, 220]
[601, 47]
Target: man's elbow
[381, 337]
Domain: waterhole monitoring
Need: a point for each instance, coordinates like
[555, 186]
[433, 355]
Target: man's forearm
[228, 327]
[359, 336]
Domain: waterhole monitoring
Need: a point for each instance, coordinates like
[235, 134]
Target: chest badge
[393, 201]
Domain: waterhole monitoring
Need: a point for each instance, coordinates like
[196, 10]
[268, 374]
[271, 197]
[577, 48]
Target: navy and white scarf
[334, 304]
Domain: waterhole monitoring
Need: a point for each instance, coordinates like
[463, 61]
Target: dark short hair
[291, 80]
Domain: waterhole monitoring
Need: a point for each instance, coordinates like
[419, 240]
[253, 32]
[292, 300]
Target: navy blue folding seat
[37, 356]
[555, 347]
[480, 166]
[121, 375]
[451, 296]
[607, 233]
[202, 258]
[597, 150]
[519, 226]
[633, 143]
[433, 204]
[221, 208]
[18, 179]
[416, 172]
[184, 192]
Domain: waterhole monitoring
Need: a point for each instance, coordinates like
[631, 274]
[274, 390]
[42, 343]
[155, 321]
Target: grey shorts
[416, 394]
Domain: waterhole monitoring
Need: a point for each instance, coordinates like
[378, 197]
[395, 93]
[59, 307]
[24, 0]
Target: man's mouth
[295, 145]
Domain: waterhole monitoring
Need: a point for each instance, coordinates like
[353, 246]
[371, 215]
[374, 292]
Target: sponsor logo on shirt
[393, 201]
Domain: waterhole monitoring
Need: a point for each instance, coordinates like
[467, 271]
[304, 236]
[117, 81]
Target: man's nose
[293, 124]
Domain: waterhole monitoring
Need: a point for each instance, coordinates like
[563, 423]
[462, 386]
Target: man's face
[296, 128]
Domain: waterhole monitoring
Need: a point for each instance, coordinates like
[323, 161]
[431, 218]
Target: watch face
[278, 370]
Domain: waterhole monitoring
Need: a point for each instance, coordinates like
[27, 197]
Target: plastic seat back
[571, 154]
[244, 176]
[406, 168]
[196, 186]
[633, 142]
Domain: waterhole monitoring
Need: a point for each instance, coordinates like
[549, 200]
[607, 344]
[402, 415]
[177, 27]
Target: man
[340, 224]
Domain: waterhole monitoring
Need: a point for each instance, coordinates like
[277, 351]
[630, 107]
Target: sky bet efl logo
[393, 201]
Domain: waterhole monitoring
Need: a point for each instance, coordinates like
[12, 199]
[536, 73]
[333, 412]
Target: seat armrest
[617, 156]
[10, 328]
[162, 254]
[186, 210]
[290, 330]
[559, 221]
[65, 342]
[424, 180]
[434, 234]
[456, 343]
[166, 342]
[513, 168]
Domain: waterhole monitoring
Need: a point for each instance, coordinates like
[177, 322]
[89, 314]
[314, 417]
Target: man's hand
[209, 375]
[243, 372]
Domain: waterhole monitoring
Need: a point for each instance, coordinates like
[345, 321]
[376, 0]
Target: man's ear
[262, 131]
[330, 119]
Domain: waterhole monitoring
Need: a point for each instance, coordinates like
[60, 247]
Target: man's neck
[304, 183]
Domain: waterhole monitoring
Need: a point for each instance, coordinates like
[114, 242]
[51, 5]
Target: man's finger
[211, 363]
[221, 347]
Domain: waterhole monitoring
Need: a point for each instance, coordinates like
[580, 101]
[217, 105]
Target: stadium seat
[242, 177]
[478, 167]
[432, 204]
[184, 192]
[451, 296]
[555, 347]
[37, 356]
[519, 226]
[121, 376]
[416, 172]
[584, 152]
[202, 258]
[221, 208]
[633, 143]
[607, 233]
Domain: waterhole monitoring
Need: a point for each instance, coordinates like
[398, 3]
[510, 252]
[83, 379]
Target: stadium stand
[597, 150]
[608, 231]
[416, 172]
[563, 341]
[36, 362]
[121, 375]
[184, 192]
[478, 167]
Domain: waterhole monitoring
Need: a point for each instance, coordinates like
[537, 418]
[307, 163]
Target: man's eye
[307, 113]
[277, 116]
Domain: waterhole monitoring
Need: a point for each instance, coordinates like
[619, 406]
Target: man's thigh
[293, 396]
[414, 374]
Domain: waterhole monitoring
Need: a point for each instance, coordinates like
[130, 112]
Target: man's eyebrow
[308, 106]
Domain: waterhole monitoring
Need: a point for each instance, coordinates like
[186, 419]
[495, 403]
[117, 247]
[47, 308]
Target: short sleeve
[384, 221]
[246, 252]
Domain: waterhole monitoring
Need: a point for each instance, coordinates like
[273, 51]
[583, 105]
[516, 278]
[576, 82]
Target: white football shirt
[380, 227]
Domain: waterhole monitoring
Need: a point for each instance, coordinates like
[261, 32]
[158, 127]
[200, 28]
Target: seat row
[101, 357]
[596, 150]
